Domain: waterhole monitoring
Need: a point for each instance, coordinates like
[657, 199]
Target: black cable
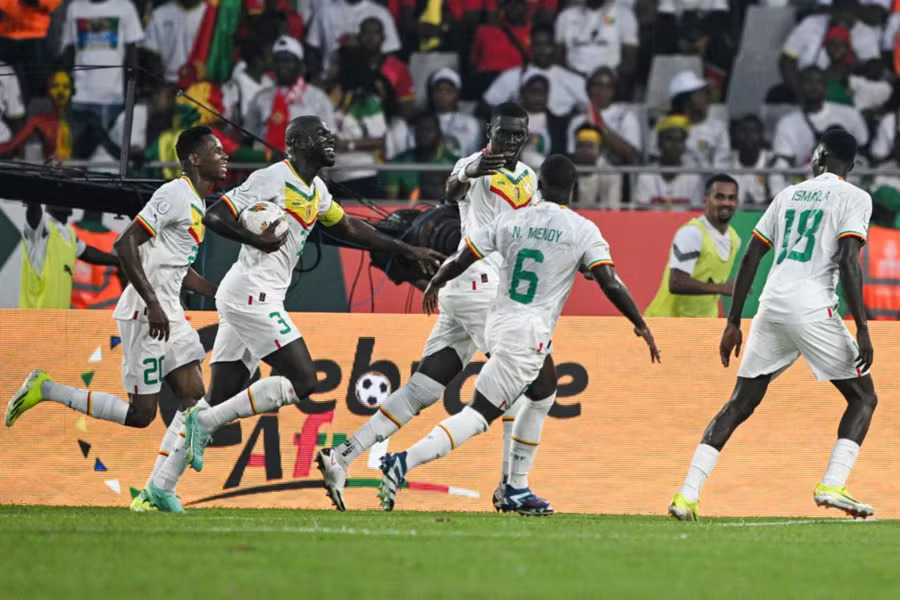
[355, 281]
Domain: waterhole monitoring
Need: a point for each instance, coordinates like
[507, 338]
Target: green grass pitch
[73, 553]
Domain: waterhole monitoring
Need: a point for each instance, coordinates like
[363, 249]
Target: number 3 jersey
[174, 219]
[803, 226]
[542, 248]
[265, 277]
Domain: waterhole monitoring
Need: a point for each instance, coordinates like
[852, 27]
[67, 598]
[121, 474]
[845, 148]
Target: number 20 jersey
[803, 226]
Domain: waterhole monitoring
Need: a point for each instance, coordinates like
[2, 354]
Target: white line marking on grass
[793, 522]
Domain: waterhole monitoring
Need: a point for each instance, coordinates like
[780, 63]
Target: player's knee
[304, 383]
[140, 414]
[868, 402]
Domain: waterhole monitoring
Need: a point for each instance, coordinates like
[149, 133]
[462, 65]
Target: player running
[253, 323]
[156, 251]
[486, 184]
[543, 248]
[817, 229]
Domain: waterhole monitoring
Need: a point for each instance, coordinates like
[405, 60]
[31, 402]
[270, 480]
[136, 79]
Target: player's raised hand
[430, 300]
[485, 164]
[158, 322]
[644, 332]
[866, 351]
[269, 241]
[731, 339]
[430, 260]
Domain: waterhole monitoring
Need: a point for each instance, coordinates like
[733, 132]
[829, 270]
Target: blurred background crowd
[623, 86]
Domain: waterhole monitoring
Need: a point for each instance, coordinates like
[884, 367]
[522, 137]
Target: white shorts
[147, 361]
[251, 332]
[518, 346]
[460, 323]
[829, 349]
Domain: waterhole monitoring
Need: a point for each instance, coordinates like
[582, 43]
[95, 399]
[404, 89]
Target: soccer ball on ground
[256, 218]
[372, 389]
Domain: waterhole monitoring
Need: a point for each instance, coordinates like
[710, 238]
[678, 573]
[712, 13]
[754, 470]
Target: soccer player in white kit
[486, 184]
[253, 323]
[156, 251]
[816, 229]
[543, 248]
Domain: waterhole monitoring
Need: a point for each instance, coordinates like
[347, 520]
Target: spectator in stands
[594, 190]
[137, 141]
[337, 23]
[65, 133]
[618, 125]
[429, 149]
[885, 134]
[797, 133]
[708, 143]
[292, 96]
[96, 34]
[750, 153]
[171, 35]
[567, 89]
[282, 13]
[599, 33]
[841, 63]
[249, 77]
[462, 132]
[805, 46]
[534, 99]
[12, 108]
[499, 45]
[703, 255]
[49, 250]
[890, 42]
[360, 123]
[371, 39]
[886, 194]
[23, 43]
[682, 190]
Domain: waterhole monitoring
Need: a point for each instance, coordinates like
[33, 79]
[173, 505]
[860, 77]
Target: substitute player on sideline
[486, 184]
[156, 251]
[817, 229]
[543, 248]
[253, 323]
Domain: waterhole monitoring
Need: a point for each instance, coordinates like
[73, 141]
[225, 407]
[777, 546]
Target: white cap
[290, 45]
[445, 74]
[684, 82]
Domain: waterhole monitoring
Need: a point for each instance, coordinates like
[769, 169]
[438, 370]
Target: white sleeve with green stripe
[595, 251]
[164, 207]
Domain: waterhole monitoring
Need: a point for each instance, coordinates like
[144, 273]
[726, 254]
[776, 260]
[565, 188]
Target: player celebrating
[253, 324]
[816, 229]
[156, 251]
[543, 248]
[485, 184]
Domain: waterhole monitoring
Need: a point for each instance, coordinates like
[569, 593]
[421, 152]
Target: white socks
[169, 472]
[509, 417]
[402, 405]
[841, 463]
[526, 435]
[94, 404]
[451, 433]
[702, 464]
[266, 395]
[168, 443]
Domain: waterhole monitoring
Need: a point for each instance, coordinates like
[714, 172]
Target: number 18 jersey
[803, 226]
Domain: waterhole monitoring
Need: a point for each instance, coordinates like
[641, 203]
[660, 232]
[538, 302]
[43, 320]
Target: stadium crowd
[411, 81]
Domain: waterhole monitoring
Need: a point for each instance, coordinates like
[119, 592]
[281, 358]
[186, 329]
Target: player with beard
[156, 251]
[703, 254]
[253, 323]
[487, 184]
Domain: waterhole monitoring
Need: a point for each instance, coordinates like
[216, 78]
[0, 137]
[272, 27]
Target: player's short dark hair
[537, 29]
[189, 140]
[719, 178]
[512, 110]
[840, 144]
[299, 126]
[375, 20]
[558, 172]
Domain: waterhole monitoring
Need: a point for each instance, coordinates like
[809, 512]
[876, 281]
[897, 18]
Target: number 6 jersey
[803, 226]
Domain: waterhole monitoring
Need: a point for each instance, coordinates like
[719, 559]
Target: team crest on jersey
[517, 191]
[196, 229]
[303, 207]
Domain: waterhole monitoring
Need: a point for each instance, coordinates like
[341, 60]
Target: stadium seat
[663, 69]
[422, 65]
[755, 69]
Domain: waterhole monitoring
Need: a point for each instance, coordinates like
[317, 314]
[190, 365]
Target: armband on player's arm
[332, 216]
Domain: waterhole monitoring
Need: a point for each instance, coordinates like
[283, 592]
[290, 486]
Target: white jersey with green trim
[489, 196]
[174, 219]
[262, 276]
[803, 226]
[542, 248]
